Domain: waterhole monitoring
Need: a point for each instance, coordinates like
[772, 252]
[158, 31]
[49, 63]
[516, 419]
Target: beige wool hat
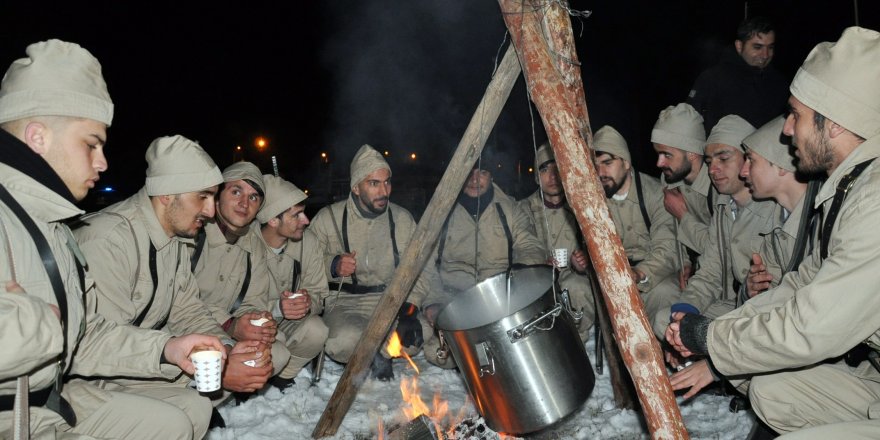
[842, 81]
[56, 79]
[681, 127]
[281, 195]
[543, 155]
[366, 161]
[767, 142]
[609, 140]
[177, 165]
[730, 130]
[245, 171]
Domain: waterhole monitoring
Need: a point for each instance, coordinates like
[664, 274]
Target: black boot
[281, 383]
[216, 420]
[241, 397]
[381, 368]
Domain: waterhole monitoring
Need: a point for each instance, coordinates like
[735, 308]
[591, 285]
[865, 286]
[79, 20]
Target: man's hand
[178, 349]
[347, 264]
[696, 377]
[295, 308]
[673, 201]
[673, 336]
[240, 377]
[759, 279]
[14, 287]
[578, 261]
[637, 275]
[243, 330]
[684, 276]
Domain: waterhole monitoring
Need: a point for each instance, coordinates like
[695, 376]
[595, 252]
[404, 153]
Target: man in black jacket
[743, 83]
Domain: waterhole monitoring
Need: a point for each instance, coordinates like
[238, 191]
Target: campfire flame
[395, 349]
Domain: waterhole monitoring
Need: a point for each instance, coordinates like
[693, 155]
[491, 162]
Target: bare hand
[673, 201]
[673, 337]
[637, 275]
[759, 279]
[240, 377]
[695, 376]
[295, 308]
[578, 261]
[684, 276]
[178, 349]
[347, 264]
[243, 330]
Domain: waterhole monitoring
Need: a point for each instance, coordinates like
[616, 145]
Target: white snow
[294, 413]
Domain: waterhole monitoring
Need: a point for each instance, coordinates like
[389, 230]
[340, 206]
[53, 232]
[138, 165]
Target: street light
[324, 157]
[412, 156]
[260, 143]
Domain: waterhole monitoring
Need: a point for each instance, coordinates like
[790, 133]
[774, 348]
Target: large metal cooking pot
[518, 350]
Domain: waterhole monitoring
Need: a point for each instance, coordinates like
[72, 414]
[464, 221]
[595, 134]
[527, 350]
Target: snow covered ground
[294, 413]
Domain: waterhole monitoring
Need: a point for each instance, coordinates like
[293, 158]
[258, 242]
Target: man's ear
[356, 191]
[37, 136]
[165, 200]
[739, 46]
[834, 129]
[273, 222]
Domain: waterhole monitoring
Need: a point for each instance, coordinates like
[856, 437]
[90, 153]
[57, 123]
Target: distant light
[261, 142]
[108, 189]
[238, 147]
[323, 155]
[386, 153]
[412, 156]
[531, 170]
[499, 165]
[306, 191]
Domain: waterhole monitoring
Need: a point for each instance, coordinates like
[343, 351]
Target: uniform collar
[39, 201]
[870, 149]
[154, 229]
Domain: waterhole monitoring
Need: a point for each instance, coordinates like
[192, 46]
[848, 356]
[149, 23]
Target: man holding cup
[646, 229]
[54, 114]
[559, 235]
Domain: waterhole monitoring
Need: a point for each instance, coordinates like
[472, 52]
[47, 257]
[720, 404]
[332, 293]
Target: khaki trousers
[826, 398]
[305, 339]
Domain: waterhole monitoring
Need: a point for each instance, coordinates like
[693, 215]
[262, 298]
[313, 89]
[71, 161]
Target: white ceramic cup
[209, 366]
[560, 256]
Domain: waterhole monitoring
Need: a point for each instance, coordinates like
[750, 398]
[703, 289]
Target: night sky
[406, 77]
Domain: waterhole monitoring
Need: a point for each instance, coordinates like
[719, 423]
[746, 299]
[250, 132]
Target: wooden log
[422, 242]
[621, 384]
[638, 346]
[419, 428]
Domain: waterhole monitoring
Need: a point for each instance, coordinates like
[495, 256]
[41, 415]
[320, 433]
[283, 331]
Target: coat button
[221, 277]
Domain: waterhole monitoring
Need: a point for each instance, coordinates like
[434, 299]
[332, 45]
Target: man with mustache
[557, 227]
[743, 83]
[485, 234]
[678, 139]
[635, 202]
[734, 236]
[810, 344]
[362, 239]
[230, 267]
[139, 260]
[54, 115]
[297, 280]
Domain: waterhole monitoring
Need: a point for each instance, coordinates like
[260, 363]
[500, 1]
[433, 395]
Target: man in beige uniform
[485, 234]
[297, 281]
[678, 138]
[789, 338]
[735, 234]
[557, 227]
[769, 172]
[635, 202]
[363, 239]
[139, 259]
[230, 265]
[54, 114]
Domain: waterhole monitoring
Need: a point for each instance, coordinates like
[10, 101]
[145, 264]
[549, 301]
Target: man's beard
[611, 187]
[676, 176]
[816, 154]
[371, 204]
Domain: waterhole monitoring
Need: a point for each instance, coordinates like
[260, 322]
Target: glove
[408, 326]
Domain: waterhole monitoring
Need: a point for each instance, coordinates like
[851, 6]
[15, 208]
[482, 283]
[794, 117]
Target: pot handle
[486, 359]
[523, 330]
[443, 348]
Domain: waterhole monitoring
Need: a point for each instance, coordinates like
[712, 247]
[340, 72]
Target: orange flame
[395, 349]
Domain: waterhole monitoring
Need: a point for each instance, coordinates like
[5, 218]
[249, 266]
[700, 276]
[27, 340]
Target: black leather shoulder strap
[843, 188]
[506, 226]
[155, 277]
[641, 197]
[244, 286]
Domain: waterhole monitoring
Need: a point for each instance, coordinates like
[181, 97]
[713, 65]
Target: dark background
[313, 77]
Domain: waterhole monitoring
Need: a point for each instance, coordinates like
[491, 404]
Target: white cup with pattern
[209, 369]
[560, 257]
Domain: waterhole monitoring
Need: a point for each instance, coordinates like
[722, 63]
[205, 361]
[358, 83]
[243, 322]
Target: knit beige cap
[842, 81]
[366, 161]
[730, 130]
[281, 195]
[244, 171]
[177, 165]
[767, 142]
[543, 155]
[681, 127]
[609, 140]
[56, 79]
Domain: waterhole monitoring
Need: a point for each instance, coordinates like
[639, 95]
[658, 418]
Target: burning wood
[420, 428]
[395, 349]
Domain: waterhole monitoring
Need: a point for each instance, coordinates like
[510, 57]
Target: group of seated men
[746, 268]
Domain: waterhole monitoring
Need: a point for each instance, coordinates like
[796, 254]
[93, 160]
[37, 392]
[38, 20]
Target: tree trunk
[640, 350]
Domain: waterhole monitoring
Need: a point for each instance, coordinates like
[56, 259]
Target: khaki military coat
[312, 276]
[693, 228]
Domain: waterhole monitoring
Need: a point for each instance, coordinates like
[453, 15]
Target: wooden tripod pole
[638, 346]
[422, 242]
